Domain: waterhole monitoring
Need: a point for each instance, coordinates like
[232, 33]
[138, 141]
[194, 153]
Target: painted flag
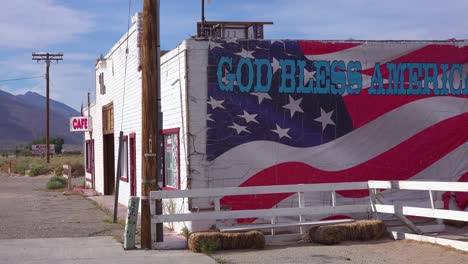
[281, 137]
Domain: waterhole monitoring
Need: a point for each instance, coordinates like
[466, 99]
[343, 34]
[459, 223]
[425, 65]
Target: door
[132, 165]
[109, 159]
[109, 171]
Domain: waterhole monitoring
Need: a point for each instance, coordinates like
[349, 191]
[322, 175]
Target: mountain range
[22, 118]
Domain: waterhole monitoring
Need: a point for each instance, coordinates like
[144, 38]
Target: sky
[84, 29]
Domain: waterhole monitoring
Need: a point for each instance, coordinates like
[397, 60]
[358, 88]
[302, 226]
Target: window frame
[89, 161]
[165, 132]
[125, 159]
[132, 167]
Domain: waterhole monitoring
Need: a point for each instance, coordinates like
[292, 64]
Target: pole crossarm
[47, 57]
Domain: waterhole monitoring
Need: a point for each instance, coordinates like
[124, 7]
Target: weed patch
[56, 183]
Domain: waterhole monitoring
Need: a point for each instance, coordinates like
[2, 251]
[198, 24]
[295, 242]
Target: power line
[47, 57]
[20, 79]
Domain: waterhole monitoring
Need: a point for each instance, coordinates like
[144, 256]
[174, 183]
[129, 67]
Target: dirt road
[28, 210]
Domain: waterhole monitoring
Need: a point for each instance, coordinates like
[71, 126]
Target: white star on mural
[208, 117]
[248, 117]
[261, 96]
[282, 132]
[325, 118]
[308, 75]
[294, 106]
[275, 65]
[215, 104]
[246, 54]
[276, 40]
[215, 45]
[239, 129]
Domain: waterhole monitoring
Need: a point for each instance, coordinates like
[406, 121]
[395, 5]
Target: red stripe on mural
[320, 48]
[399, 163]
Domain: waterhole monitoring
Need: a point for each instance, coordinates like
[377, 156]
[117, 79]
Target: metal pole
[203, 19]
[47, 108]
[117, 177]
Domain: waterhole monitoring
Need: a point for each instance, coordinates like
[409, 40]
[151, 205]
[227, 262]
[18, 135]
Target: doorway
[108, 140]
[109, 171]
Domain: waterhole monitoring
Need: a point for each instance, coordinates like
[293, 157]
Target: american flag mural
[303, 112]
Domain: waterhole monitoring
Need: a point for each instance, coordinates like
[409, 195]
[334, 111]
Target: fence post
[301, 205]
[152, 225]
[67, 171]
[217, 205]
[333, 198]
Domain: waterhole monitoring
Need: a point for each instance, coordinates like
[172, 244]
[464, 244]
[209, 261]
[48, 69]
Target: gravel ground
[29, 210]
[377, 252]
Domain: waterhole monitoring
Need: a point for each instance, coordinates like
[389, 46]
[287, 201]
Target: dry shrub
[356, 231]
[208, 242]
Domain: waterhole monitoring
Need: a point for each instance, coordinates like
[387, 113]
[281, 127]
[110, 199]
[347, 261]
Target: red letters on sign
[80, 123]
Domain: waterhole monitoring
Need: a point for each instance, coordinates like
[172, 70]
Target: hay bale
[209, 242]
[206, 242]
[244, 240]
[357, 231]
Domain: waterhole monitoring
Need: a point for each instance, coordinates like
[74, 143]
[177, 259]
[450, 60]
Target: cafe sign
[80, 124]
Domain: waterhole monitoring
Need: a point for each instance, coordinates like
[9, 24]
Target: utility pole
[151, 179]
[47, 57]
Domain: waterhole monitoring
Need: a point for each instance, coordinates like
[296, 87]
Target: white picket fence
[431, 188]
[301, 210]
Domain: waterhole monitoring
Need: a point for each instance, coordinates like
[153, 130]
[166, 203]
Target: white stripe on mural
[348, 151]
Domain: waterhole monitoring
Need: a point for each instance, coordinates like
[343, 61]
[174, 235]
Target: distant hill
[23, 118]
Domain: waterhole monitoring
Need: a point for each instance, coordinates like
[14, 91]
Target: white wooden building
[253, 112]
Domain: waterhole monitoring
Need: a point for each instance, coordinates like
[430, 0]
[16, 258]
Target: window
[124, 160]
[90, 156]
[108, 119]
[171, 159]
[102, 86]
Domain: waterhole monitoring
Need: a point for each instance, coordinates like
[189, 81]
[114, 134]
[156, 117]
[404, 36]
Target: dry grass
[356, 231]
[38, 166]
[208, 242]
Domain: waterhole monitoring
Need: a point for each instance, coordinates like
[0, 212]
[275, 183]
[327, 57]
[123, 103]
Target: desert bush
[185, 232]
[56, 182]
[21, 165]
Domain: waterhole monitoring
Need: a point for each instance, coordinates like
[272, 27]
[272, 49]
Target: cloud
[69, 80]
[359, 19]
[80, 56]
[34, 24]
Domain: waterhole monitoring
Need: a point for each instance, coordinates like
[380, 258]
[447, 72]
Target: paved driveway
[89, 250]
[28, 210]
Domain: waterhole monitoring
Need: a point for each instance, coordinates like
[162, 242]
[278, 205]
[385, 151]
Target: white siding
[128, 101]
[125, 94]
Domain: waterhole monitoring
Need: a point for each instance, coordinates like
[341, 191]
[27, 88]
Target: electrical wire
[126, 62]
[20, 79]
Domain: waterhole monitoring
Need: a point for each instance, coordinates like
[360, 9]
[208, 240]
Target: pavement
[88, 250]
[29, 210]
[41, 226]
